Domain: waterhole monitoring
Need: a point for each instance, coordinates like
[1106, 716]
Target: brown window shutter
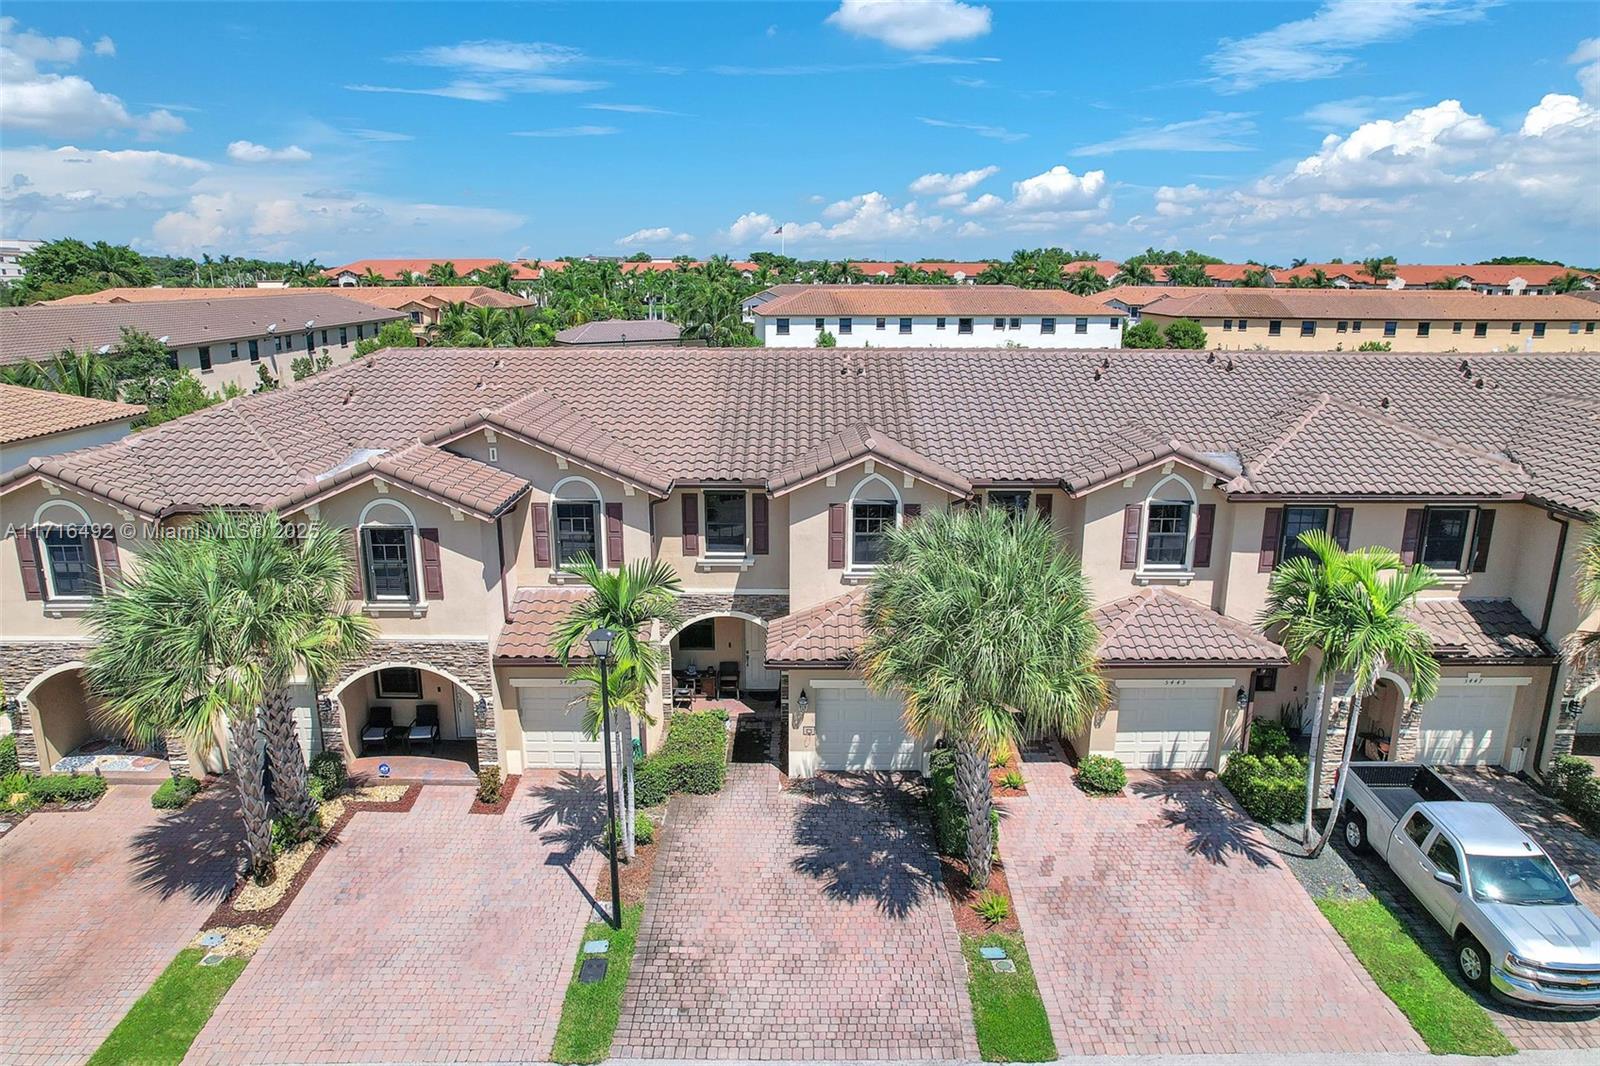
[1411, 537]
[541, 534]
[432, 566]
[912, 511]
[691, 523]
[1205, 521]
[1045, 504]
[835, 536]
[352, 584]
[1271, 533]
[28, 556]
[1481, 533]
[614, 535]
[110, 564]
[1132, 515]
[1342, 519]
[760, 524]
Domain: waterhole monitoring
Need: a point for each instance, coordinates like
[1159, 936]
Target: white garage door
[857, 730]
[552, 729]
[1166, 728]
[1466, 726]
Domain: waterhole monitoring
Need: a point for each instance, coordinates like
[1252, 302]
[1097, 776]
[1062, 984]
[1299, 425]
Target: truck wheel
[1473, 962]
[1355, 830]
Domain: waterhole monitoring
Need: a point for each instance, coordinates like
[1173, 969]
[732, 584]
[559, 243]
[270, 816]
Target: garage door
[857, 730]
[1166, 728]
[1466, 726]
[552, 729]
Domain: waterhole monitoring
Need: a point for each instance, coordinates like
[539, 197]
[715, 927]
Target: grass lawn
[589, 1013]
[1006, 1008]
[1450, 1021]
[164, 1021]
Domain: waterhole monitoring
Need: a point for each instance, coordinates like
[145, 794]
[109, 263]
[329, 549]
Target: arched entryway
[418, 720]
[71, 732]
[1379, 727]
[719, 659]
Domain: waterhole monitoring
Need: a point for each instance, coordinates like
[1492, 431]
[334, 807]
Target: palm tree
[495, 276]
[1583, 647]
[1452, 281]
[117, 264]
[73, 373]
[981, 624]
[1568, 282]
[204, 638]
[1257, 277]
[629, 601]
[1193, 274]
[1317, 279]
[1134, 272]
[1350, 608]
[1379, 270]
[372, 277]
[443, 274]
[1085, 281]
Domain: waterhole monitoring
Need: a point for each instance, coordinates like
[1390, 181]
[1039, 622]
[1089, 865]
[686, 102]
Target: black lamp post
[600, 646]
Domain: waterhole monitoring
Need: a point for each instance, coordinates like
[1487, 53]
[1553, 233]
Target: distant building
[11, 252]
[936, 316]
[622, 333]
[37, 423]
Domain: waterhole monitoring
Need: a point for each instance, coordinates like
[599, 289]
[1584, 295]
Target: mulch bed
[11, 821]
[968, 922]
[225, 916]
[508, 792]
[1013, 765]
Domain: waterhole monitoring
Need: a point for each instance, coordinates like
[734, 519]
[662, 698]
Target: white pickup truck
[1516, 926]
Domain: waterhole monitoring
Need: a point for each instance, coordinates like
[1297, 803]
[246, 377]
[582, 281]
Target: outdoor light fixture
[600, 643]
[1241, 697]
[804, 701]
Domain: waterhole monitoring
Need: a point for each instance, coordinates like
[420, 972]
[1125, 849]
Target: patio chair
[682, 691]
[727, 680]
[426, 727]
[380, 719]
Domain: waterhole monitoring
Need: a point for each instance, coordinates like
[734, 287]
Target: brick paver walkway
[432, 935]
[787, 927]
[1162, 923]
[95, 905]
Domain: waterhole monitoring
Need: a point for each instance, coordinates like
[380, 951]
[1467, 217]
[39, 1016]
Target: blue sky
[1436, 130]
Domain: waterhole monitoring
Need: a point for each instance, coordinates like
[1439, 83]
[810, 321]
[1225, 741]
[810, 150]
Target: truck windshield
[1520, 880]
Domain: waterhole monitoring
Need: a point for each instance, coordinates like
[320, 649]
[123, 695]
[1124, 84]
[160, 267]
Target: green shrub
[290, 830]
[1101, 775]
[174, 793]
[16, 796]
[490, 785]
[8, 756]
[328, 768]
[1012, 779]
[992, 907]
[1568, 772]
[1574, 784]
[1268, 738]
[692, 759]
[1271, 788]
[644, 829]
[1001, 760]
[66, 788]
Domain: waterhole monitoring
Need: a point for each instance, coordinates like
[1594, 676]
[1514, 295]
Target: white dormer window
[874, 511]
[1168, 532]
[389, 553]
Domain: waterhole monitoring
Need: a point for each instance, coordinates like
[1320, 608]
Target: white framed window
[874, 510]
[389, 552]
[727, 522]
[1169, 512]
[575, 510]
[783, 327]
[67, 551]
[1445, 538]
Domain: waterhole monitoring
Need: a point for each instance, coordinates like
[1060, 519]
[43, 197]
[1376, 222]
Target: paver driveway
[781, 926]
[96, 904]
[431, 935]
[1161, 922]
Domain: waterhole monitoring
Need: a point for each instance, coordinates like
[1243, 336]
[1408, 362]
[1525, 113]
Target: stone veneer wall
[468, 660]
[1406, 737]
[765, 606]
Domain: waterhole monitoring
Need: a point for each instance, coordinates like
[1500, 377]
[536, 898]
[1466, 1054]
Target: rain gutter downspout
[1544, 631]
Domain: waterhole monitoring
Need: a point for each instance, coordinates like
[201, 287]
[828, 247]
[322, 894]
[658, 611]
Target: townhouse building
[222, 340]
[34, 422]
[932, 316]
[767, 480]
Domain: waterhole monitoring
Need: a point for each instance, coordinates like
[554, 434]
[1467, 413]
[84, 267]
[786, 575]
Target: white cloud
[1058, 188]
[1178, 202]
[912, 25]
[105, 46]
[1324, 44]
[1334, 115]
[1588, 55]
[568, 131]
[630, 109]
[497, 57]
[998, 133]
[1219, 131]
[984, 204]
[64, 105]
[750, 226]
[655, 235]
[489, 71]
[1557, 110]
[948, 184]
[488, 91]
[250, 152]
[380, 136]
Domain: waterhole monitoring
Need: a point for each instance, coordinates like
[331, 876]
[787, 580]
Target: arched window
[1169, 525]
[575, 504]
[389, 552]
[874, 510]
[67, 551]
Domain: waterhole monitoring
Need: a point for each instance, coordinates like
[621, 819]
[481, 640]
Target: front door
[757, 677]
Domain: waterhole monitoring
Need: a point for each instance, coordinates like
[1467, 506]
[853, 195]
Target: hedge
[1271, 788]
[52, 788]
[1101, 775]
[174, 793]
[1269, 738]
[693, 758]
[1572, 780]
[8, 756]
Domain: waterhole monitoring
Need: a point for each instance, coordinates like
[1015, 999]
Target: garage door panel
[858, 731]
[552, 729]
[1465, 728]
[1166, 729]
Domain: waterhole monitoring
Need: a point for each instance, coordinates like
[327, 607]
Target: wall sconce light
[804, 701]
[1241, 697]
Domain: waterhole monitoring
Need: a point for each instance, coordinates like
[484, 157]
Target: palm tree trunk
[245, 752]
[289, 782]
[625, 739]
[972, 782]
[1344, 775]
[1314, 759]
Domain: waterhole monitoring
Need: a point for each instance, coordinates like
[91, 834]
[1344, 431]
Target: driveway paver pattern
[96, 904]
[432, 935]
[787, 926]
[1160, 922]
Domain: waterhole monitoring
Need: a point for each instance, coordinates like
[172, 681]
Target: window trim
[706, 551]
[850, 564]
[1153, 497]
[964, 325]
[782, 326]
[418, 595]
[710, 625]
[82, 523]
[1463, 561]
[599, 505]
[1286, 542]
[384, 693]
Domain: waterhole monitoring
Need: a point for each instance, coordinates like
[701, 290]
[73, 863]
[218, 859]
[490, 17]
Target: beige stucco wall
[362, 693]
[1101, 539]
[758, 574]
[1099, 737]
[63, 714]
[1440, 337]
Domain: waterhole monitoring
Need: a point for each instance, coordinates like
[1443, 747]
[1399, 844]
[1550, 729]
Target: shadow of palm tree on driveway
[573, 815]
[866, 837]
[195, 851]
[1216, 828]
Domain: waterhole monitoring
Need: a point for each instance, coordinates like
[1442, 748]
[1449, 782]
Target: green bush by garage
[1272, 788]
[693, 758]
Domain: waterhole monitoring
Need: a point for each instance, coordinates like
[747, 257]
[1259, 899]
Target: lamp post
[600, 646]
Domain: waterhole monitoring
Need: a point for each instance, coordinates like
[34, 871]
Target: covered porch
[407, 723]
[721, 660]
[72, 735]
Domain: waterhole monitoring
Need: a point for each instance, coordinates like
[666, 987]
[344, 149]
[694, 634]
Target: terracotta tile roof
[744, 415]
[1421, 274]
[1332, 448]
[829, 634]
[1156, 625]
[529, 635]
[1374, 305]
[856, 442]
[29, 413]
[41, 331]
[391, 296]
[973, 300]
[1480, 630]
[1145, 295]
[482, 490]
[1128, 449]
[619, 331]
[397, 269]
